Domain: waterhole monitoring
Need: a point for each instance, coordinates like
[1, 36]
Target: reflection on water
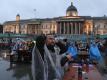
[18, 71]
[23, 71]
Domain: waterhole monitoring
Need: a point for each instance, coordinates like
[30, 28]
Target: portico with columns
[72, 26]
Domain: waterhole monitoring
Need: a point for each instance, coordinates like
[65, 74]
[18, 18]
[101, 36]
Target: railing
[76, 37]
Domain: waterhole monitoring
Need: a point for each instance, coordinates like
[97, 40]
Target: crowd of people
[23, 50]
[49, 56]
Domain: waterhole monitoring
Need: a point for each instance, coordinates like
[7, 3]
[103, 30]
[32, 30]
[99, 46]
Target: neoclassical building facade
[72, 23]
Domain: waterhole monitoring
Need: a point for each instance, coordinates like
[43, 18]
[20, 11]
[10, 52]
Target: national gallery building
[71, 23]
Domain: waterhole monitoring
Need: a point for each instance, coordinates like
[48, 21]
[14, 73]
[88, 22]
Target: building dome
[17, 17]
[71, 10]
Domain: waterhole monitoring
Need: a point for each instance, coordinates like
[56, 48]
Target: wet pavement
[14, 71]
[19, 71]
[23, 71]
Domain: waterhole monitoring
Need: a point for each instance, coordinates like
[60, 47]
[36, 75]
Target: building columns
[68, 28]
[64, 28]
[79, 28]
[71, 27]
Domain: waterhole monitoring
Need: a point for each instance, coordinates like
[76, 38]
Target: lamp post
[34, 13]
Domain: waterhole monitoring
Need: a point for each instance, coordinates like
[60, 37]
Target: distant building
[72, 23]
[100, 25]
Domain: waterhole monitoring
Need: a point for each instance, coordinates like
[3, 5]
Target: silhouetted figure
[40, 41]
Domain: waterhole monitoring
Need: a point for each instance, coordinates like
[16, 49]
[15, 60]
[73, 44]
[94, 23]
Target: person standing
[52, 51]
[46, 59]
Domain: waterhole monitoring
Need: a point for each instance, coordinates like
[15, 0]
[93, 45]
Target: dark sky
[49, 8]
